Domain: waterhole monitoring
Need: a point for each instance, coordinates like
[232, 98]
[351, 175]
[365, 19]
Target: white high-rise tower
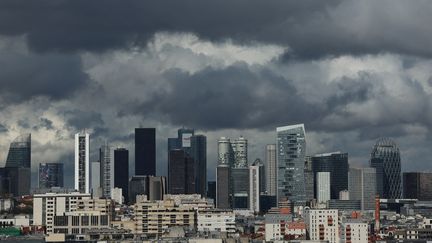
[82, 162]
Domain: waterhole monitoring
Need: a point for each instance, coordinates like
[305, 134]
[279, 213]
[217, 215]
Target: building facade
[82, 162]
[121, 171]
[362, 186]
[153, 187]
[19, 154]
[50, 175]
[216, 221]
[323, 186]
[418, 185]
[271, 169]
[322, 224]
[385, 158]
[145, 151]
[291, 151]
[105, 170]
[254, 188]
[181, 173]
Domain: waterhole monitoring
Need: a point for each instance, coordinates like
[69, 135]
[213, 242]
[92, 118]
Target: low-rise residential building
[216, 221]
[354, 231]
[275, 226]
[322, 224]
[79, 222]
[17, 221]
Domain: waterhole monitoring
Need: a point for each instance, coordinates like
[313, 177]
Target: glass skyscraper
[20, 152]
[105, 170]
[385, 158]
[291, 152]
[121, 171]
[82, 162]
[145, 151]
[50, 175]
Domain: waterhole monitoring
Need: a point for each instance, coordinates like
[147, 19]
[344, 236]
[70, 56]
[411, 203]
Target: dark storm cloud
[310, 28]
[83, 119]
[44, 123]
[3, 129]
[23, 76]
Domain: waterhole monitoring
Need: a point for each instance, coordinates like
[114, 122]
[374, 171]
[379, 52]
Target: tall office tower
[82, 163]
[271, 169]
[240, 188]
[322, 224]
[15, 181]
[105, 170]
[154, 187]
[262, 180]
[20, 152]
[418, 185]
[337, 164]
[323, 186]
[240, 148]
[223, 189]
[145, 151]
[199, 154]
[254, 188]
[309, 179]
[385, 158]
[362, 186]
[50, 175]
[121, 171]
[181, 174]
[291, 144]
[211, 190]
[95, 179]
[225, 152]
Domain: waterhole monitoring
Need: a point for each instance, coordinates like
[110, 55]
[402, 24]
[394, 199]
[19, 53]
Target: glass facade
[20, 152]
[121, 171]
[105, 170]
[291, 151]
[50, 175]
[145, 151]
[385, 158]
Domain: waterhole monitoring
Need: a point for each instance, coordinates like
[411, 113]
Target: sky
[351, 71]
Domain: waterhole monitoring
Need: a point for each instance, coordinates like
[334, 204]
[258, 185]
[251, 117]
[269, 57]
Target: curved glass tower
[385, 158]
[20, 152]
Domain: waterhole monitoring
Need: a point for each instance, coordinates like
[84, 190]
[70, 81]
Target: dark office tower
[337, 164]
[211, 190]
[138, 185]
[145, 151]
[181, 174]
[309, 178]
[199, 155]
[154, 187]
[385, 158]
[105, 170]
[20, 152]
[15, 181]
[417, 185]
[240, 187]
[121, 171]
[262, 175]
[223, 186]
[50, 175]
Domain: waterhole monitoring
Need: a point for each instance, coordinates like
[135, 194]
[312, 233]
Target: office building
[362, 186]
[225, 152]
[261, 175]
[418, 185]
[20, 152]
[322, 224]
[50, 175]
[211, 190]
[254, 188]
[291, 151]
[96, 188]
[240, 188]
[145, 151]
[385, 158]
[121, 171]
[153, 187]
[240, 148]
[82, 162]
[223, 187]
[15, 181]
[105, 170]
[199, 154]
[344, 205]
[309, 179]
[181, 174]
[323, 186]
[337, 164]
[271, 169]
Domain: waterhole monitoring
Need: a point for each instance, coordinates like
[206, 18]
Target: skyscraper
[254, 188]
[323, 186]
[181, 174]
[50, 175]
[240, 187]
[337, 164]
[261, 174]
[15, 181]
[223, 188]
[240, 148]
[121, 171]
[145, 151]
[105, 170]
[199, 154]
[95, 179]
[225, 152]
[362, 186]
[309, 179]
[418, 185]
[154, 187]
[211, 190]
[20, 152]
[291, 146]
[82, 163]
[385, 158]
[271, 169]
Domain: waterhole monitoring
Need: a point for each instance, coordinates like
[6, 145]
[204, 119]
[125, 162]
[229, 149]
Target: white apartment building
[79, 222]
[48, 205]
[216, 221]
[322, 224]
[354, 231]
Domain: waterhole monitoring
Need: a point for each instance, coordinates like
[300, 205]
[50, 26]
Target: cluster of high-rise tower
[287, 172]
